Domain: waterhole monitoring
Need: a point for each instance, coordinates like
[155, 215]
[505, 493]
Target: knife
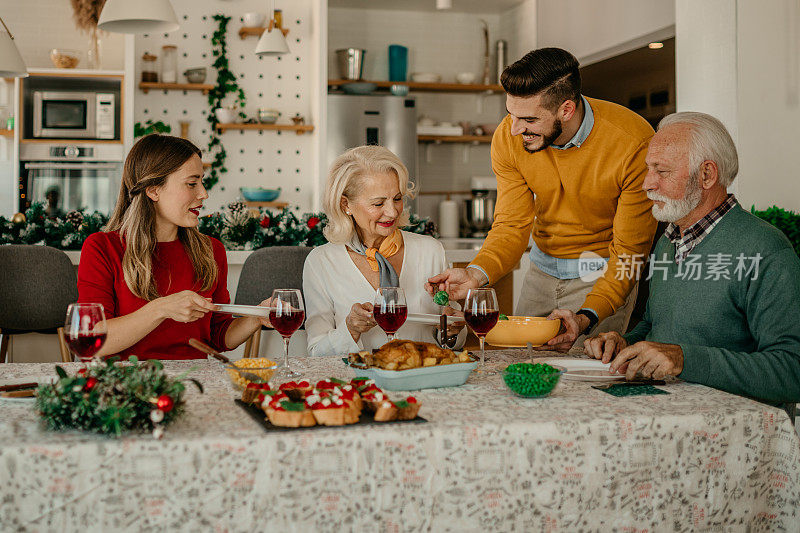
[639, 383]
[18, 386]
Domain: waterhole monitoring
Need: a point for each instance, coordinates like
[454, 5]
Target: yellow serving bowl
[261, 367]
[518, 331]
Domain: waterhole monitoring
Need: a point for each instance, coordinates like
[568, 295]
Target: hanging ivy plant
[226, 84]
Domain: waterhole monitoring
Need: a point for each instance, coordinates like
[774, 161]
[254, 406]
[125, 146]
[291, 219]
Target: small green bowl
[532, 380]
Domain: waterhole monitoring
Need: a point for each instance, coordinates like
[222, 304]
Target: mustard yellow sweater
[588, 198]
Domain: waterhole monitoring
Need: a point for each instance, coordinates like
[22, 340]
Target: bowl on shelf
[225, 115]
[259, 194]
[63, 58]
[532, 380]
[254, 20]
[268, 116]
[465, 78]
[195, 75]
[518, 331]
[261, 367]
[359, 87]
[426, 77]
[399, 90]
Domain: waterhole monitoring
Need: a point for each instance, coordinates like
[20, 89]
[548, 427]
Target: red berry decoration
[265, 222]
[312, 222]
[411, 399]
[90, 383]
[165, 403]
[82, 372]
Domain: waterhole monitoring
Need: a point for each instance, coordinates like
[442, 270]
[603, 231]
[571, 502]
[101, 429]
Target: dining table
[485, 459]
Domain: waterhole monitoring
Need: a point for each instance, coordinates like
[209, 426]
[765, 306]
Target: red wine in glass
[85, 346]
[286, 315]
[85, 329]
[389, 309]
[287, 322]
[391, 317]
[481, 313]
[481, 322]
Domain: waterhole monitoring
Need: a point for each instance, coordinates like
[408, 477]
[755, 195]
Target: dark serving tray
[366, 419]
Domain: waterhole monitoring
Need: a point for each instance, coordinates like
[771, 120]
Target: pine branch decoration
[112, 398]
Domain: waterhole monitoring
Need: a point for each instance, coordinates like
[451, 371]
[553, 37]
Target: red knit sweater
[100, 280]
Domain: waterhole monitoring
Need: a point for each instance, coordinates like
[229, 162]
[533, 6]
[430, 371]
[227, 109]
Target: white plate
[584, 369]
[430, 320]
[245, 310]
[29, 379]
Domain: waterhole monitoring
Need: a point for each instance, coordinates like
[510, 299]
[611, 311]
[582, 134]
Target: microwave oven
[74, 115]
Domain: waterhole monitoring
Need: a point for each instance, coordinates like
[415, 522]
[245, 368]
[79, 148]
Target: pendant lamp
[272, 41]
[11, 63]
[139, 16]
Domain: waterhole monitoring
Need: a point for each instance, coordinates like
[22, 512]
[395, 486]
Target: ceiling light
[272, 41]
[655, 46]
[444, 4]
[141, 16]
[11, 63]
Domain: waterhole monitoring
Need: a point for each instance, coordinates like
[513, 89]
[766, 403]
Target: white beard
[674, 210]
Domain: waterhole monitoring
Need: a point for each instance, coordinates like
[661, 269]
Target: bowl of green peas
[532, 380]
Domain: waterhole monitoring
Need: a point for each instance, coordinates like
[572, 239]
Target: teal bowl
[259, 194]
[532, 381]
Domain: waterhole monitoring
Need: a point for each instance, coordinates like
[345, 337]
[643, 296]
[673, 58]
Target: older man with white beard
[725, 285]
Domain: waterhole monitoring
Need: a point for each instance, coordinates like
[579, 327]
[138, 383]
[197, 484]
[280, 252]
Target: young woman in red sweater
[155, 274]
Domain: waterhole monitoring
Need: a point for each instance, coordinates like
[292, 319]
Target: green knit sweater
[738, 335]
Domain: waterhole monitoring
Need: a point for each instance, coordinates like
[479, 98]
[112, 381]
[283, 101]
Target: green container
[532, 380]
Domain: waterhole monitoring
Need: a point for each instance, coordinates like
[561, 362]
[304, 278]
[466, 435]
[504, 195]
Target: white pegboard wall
[267, 159]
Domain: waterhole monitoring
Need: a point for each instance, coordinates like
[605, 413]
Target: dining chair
[267, 269]
[37, 283]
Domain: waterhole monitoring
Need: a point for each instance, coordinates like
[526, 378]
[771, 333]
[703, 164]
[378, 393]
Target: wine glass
[286, 315]
[481, 313]
[390, 310]
[85, 330]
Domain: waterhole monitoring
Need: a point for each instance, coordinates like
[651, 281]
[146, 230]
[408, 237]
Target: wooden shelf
[428, 87]
[146, 86]
[246, 31]
[454, 138]
[300, 129]
[6, 133]
[275, 205]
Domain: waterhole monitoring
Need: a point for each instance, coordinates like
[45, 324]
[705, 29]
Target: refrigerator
[386, 120]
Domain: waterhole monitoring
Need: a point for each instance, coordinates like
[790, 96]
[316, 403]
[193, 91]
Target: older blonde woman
[364, 202]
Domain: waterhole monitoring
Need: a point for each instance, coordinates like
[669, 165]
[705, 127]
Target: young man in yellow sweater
[569, 172]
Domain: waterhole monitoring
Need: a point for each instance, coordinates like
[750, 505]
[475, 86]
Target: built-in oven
[70, 177]
[83, 109]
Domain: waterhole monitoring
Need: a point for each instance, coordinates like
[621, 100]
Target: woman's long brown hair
[148, 164]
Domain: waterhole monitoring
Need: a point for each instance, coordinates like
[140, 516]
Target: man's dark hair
[552, 72]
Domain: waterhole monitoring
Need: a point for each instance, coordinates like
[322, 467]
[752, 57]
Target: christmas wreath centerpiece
[110, 397]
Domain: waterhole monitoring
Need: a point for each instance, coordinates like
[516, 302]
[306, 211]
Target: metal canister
[351, 63]
[501, 51]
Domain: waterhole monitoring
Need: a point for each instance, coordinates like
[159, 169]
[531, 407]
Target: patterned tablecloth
[695, 459]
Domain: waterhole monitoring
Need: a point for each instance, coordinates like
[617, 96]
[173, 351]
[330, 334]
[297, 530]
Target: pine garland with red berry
[236, 226]
[111, 397]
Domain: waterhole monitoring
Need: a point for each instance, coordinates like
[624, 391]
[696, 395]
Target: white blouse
[332, 283]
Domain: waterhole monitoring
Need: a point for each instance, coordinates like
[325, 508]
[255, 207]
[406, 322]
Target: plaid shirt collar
[698, 231]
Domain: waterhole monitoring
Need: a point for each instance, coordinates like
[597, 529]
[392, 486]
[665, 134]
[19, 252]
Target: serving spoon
[205, 348]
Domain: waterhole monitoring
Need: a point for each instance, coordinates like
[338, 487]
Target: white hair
[346, 179]
[710, 141]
